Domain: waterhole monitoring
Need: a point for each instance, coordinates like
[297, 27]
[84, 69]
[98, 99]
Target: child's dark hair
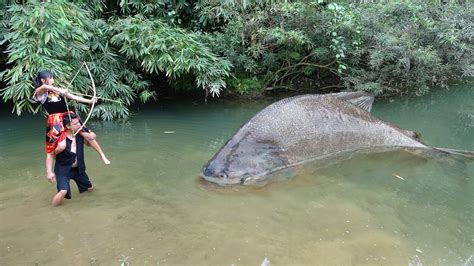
[68, 117]
[42, 75]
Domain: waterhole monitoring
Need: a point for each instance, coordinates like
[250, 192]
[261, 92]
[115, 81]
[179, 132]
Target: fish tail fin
[445, 156]
[458, 154]
[453, 161]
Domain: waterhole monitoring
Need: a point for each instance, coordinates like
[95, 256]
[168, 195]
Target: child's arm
[80, 99]
[45, 88]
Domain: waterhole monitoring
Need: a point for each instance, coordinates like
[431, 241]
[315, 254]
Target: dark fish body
[301, 129]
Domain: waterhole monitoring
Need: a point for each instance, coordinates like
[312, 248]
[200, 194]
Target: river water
[148, 208]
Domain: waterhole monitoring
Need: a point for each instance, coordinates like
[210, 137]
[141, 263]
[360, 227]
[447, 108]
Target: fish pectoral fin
[361, 99]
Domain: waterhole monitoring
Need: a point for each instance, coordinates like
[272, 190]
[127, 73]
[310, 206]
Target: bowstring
[65, 98]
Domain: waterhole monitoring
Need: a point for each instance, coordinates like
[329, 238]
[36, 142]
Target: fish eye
[222, 175]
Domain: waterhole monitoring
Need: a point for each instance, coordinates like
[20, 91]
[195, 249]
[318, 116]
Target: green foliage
[60, 36]
[244, 85]
[36, 31]
[384, 47]
[174, 51]
[172, 12]
[342, 29]
[417, 46]
[286, 41]
[389, 47]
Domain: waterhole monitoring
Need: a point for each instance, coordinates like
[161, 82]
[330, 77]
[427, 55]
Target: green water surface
[148, 209]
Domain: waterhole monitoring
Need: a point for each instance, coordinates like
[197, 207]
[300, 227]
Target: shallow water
[148, 208]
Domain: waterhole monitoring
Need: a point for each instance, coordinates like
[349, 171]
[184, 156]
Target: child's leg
[61, 146]
[96, 147]
[90, 138]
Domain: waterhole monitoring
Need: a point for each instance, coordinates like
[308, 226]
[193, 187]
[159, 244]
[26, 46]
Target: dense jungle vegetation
[232, 47]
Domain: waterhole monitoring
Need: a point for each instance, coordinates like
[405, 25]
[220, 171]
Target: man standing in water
[69, 162]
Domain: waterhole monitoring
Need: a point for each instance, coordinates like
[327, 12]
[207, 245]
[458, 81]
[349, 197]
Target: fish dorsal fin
[361, 99]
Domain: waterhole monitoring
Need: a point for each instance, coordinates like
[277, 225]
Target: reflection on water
[391, 208]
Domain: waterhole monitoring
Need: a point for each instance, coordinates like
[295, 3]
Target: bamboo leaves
[173, 51]
[59, 36]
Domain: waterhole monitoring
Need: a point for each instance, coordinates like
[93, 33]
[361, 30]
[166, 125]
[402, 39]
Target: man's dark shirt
[66, 158]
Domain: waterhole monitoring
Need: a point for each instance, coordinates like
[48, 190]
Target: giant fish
[308, 128]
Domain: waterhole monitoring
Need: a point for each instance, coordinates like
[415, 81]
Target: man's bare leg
[58, 198]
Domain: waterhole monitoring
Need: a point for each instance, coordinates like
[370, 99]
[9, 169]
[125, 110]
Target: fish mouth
[223, 181]
[245, 181]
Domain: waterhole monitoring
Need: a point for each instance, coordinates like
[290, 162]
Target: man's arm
[50, 157]
[49, 167]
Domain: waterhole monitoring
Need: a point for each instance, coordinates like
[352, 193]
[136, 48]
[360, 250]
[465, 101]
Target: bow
[93, 97]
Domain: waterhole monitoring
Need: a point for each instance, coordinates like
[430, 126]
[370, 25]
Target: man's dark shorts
[62, 180]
